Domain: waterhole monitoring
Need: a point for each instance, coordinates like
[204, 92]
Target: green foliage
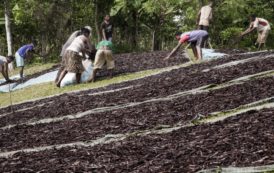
[50, 22]
[121, 48]
[2, 21]
[230, 33]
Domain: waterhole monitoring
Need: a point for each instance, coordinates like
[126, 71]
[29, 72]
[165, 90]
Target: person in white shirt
[65, 46]
[204, 17]
[71, 38]
[4, 61]
[263, 28]
[72, 58]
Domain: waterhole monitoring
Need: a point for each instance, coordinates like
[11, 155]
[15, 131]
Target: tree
[8, 30]
[129, 11]
[156, 14]
[139, 24]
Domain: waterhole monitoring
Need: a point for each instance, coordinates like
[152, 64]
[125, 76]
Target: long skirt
[73, 62]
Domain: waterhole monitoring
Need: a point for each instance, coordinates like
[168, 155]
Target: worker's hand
[239, 38]
[241, 35]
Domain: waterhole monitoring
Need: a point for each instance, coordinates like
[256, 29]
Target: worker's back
[206, 15]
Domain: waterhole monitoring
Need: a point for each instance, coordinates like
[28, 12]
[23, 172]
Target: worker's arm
[211, 15]
[112, 30]
[28, 56]
[5, 72]
[249, 30]
[39, 55]
[32, 52]
[174, 51]
[104, 34]
[87, 48]
[88, 45]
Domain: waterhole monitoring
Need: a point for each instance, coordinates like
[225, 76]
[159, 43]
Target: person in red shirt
[197, 39]
[263, 28]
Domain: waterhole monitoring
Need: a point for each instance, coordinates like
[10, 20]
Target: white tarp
[70, 78]
[48, 77]
[210, 54]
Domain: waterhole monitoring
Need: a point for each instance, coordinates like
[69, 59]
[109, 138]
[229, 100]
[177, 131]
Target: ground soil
[233, 142]
[145, 116]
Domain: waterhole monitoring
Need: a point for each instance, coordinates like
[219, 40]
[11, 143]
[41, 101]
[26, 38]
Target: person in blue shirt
[22, 54]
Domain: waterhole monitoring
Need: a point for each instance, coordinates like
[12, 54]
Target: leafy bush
[230, 39]
[230, 34]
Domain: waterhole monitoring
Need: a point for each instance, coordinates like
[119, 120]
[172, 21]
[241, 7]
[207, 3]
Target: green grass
[191, 55]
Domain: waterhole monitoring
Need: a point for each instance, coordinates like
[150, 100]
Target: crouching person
[23, 53]
[197, 39]
[103, 55]
[4, 61]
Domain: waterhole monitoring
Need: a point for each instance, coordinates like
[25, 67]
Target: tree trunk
[134, 30]
[96, 21]
[44, 46]
[8, 31]
[155, 40]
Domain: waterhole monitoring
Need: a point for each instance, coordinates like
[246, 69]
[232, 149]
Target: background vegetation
[140, 25]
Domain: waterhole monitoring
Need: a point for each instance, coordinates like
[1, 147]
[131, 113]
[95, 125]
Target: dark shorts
[202, 27]
[200, 42]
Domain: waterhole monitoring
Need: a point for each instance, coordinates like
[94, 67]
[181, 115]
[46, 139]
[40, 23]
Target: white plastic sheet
[70, 78]
[210, 54]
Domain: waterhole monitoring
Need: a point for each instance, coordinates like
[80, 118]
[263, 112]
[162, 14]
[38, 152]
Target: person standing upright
[107, 29]
[204, 17]
[203, 20]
